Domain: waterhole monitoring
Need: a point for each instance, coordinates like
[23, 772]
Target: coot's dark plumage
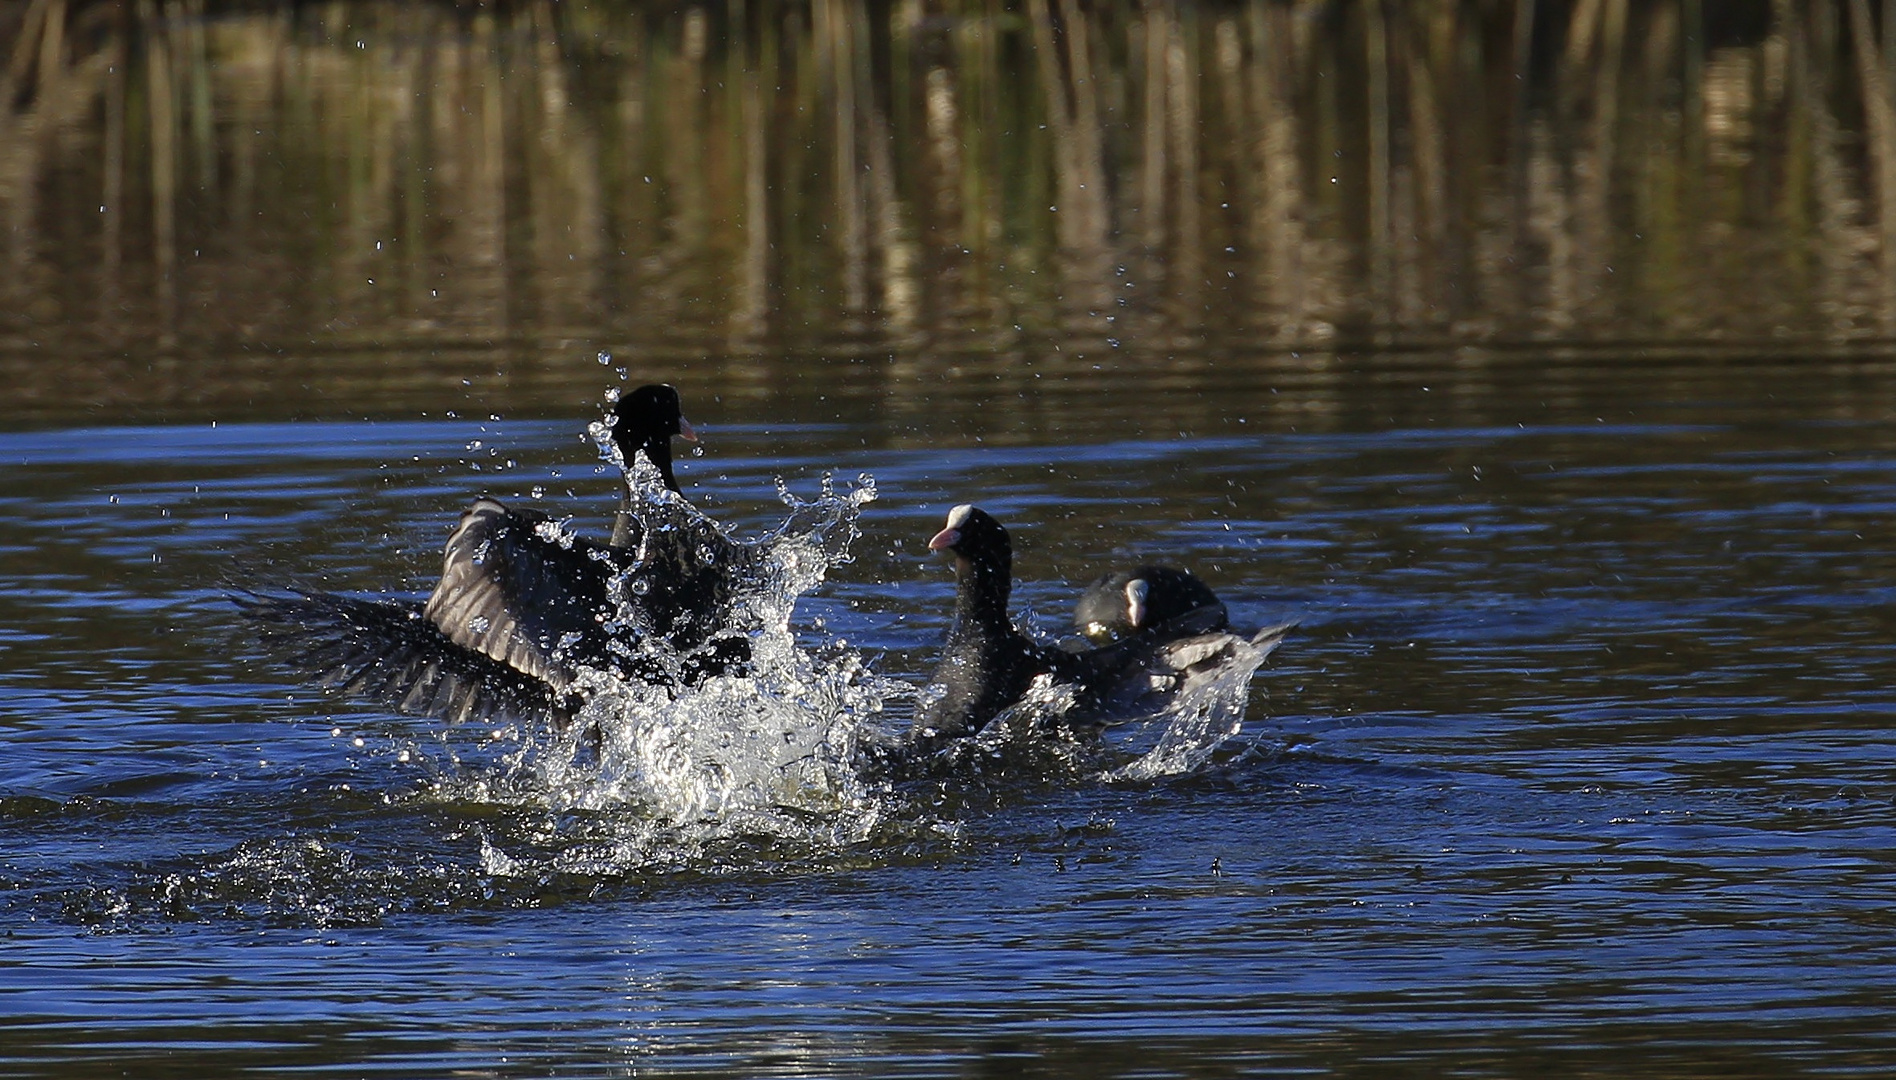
[1151, 672]
[1160, 632]
[522, 605]
[1144, 599]
[987, 665]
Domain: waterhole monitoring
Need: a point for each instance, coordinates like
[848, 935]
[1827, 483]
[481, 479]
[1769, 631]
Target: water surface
[1581, 747]
[1564, 427]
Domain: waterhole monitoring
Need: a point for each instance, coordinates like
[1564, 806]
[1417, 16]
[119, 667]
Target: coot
[523, 605]
[1148, 598]
[987, 664]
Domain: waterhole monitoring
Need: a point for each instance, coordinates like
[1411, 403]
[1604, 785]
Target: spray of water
[1198, 711]
[793, 746]
[769, 748]
[786, 759]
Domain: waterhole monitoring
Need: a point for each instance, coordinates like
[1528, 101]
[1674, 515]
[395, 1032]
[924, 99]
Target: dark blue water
[1581, 760]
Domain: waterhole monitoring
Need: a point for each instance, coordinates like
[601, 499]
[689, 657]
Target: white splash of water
[783, 747]
[1201, 704]
[772, 748]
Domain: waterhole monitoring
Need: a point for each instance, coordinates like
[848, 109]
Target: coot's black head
[1122, 604]
[977, 540]
[647, 420]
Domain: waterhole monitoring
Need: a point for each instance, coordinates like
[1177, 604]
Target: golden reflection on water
[193, 179]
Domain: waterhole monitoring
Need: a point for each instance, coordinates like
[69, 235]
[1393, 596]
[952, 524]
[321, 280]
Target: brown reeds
[1013, 176]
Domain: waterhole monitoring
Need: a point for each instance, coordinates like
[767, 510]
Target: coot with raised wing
[523, 605]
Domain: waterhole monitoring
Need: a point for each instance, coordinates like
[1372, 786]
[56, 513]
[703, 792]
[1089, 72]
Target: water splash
[769, 748]
[1038, 739]
[785, 764]
[1202, 709]
[1171, 717]
[693, 747]
[796, 740]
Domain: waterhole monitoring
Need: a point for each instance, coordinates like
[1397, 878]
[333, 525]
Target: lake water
[1580, 761]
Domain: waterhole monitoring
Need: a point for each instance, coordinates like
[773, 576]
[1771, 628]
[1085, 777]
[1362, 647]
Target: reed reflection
[923, 177]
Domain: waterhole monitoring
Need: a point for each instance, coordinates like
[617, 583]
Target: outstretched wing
[1142, 674]
[519, 591]
[1170, 644]
[389, 653]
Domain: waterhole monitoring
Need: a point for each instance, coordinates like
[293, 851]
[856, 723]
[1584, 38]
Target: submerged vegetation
[923, 177]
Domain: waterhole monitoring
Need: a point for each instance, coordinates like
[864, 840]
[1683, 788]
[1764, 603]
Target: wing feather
[387, 652]
[517, 591]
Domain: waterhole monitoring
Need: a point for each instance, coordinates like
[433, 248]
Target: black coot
[987, 665]
[1160, 633]
[521, 606]
[1147, 599]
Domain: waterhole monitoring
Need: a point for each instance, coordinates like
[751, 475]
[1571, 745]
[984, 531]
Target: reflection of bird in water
[523, 605]
[988, 665]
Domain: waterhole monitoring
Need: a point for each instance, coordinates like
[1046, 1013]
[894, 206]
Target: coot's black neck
[658, 451]
[626, 527]
[984, 581]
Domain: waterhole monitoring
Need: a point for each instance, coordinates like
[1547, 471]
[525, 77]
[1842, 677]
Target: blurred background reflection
[214, 190]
